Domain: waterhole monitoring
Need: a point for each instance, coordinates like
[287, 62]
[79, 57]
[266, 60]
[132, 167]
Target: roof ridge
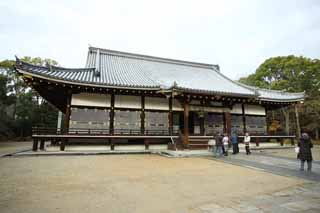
[153, 58]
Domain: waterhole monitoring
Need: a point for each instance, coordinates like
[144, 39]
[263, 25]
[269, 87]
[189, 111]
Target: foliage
[20, 106]
[292, 74]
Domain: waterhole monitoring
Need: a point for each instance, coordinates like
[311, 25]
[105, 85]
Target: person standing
[247, 143]
[219, 145]
[235, 145]
[305, 153]
[225, 141]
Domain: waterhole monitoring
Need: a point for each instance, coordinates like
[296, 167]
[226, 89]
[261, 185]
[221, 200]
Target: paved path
[277, 165]
[305, 198]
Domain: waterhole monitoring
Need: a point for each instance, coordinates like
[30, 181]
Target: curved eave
[85, 84]
[282, 100]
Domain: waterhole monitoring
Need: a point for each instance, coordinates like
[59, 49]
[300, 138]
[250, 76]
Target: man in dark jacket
[235, 145]
[305, 153]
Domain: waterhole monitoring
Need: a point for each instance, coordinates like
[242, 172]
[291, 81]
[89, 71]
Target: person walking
[247, 143]
[225, 141]
[219, 145]
[235, 145]
[305, 153]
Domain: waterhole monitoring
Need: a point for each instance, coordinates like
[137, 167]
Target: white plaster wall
[156, 103]
[236, 109]
[127, 101]
[91, 99]
[207, 109]
[254, 110]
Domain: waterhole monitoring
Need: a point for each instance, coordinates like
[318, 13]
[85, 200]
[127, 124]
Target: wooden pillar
[35, 145]
[298, 121]
[42, 144]
[201, 120]
[66, 121]
[170, 117]
[112, 144]
[186, 122]
[146, 144]
[142, 115]
[244, 119]
[111, 118]
[286, 115]
[227, 116]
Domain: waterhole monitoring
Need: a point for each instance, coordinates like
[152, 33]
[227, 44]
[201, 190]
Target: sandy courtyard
[126, 183]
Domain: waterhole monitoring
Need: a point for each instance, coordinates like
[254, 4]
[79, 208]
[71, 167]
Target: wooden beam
[186, 122]
[111, 118]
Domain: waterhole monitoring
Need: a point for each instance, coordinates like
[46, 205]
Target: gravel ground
[127, 183]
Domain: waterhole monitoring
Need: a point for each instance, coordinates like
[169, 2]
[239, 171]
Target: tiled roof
[133, 70]
[108, 68]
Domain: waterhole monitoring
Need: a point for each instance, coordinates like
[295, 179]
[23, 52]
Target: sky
[238, 35]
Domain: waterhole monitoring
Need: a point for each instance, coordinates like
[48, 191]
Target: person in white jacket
[247, 143]
[225, 141]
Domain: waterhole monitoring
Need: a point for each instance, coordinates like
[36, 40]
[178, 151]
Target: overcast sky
[237, 35]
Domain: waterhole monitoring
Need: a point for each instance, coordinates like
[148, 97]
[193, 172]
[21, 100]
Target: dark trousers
[235, 148]
[248, 149]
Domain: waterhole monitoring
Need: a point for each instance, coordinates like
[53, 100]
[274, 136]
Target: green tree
[292, 74]
[20, 106]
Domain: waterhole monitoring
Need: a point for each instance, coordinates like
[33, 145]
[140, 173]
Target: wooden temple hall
[125, 98]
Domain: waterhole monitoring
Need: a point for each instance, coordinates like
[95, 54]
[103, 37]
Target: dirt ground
[290, 153]
[126, 183]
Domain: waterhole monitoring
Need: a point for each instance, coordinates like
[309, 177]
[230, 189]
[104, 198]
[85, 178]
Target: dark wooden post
[42, 144]
[146, 144]
[170, 117]
[66, 121]
[244, 119]
[201, 120]
[297, 120]
[257, 141]
[111, 118]
[227, 116]
[35, 145]
[142, 115]
[112, 145]
[292, 141]
[186, 122]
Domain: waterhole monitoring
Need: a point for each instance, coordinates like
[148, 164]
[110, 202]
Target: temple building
[152, 98]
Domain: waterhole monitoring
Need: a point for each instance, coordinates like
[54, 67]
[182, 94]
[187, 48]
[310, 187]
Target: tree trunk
[317, 133]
